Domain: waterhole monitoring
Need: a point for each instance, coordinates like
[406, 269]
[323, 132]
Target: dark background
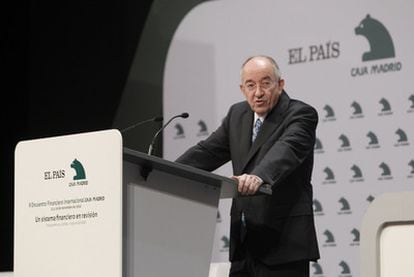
[65, 66]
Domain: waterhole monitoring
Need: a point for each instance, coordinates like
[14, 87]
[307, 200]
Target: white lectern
[86, 207]
[68, 206]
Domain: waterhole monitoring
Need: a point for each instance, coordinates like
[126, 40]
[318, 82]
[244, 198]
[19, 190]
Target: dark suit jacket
[280, 228]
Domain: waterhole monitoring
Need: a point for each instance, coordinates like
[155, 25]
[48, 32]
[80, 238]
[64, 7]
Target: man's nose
[259, 91]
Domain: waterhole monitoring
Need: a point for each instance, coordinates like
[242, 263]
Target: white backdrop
[366, 107]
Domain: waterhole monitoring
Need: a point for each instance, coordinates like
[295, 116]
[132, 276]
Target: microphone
[151, 147]
[154, 119]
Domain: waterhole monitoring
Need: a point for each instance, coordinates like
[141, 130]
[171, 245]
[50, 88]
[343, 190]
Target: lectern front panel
[170, 223]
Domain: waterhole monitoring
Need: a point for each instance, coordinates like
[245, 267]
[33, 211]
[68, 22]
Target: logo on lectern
[80, 175]
[54, 174]
[80, 171]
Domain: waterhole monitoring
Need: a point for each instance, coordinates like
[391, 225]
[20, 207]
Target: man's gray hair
[276, 69]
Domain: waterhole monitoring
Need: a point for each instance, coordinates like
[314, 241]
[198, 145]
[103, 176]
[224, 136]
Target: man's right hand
[248, 184]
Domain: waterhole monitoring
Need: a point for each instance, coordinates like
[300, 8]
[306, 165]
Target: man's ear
[282, 83]
[241, 88]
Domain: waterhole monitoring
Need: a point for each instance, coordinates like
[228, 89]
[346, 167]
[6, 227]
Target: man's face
[260, 85]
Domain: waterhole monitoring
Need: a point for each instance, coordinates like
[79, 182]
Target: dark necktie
[256, 128]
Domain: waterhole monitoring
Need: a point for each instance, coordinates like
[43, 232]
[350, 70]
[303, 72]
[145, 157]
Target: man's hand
[248, 184]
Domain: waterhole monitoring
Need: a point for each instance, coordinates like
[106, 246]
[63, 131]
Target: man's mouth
[260, 102]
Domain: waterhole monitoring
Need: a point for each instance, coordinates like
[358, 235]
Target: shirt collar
[256, 116]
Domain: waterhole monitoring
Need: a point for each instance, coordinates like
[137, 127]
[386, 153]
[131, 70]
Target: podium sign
[68, 206]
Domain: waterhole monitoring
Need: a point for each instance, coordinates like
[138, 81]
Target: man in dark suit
[269, 235]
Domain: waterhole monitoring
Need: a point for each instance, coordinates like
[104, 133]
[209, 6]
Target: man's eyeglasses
[265, 84]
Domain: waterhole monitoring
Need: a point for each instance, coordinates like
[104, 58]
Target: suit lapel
[270, 124]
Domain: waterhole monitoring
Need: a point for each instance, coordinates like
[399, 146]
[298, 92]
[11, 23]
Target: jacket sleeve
[291, 148]
[212, 152]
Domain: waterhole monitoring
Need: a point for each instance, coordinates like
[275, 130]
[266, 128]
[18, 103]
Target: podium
[85, 206]
[170, 213]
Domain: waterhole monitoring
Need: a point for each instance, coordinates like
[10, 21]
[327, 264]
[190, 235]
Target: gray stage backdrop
[352, 60]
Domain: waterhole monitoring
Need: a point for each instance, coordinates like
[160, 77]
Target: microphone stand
[151, 147]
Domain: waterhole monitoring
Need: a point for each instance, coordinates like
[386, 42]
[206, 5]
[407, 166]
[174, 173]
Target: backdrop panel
[351, 60]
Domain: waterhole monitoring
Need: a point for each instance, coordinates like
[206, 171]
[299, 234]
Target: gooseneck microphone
[154, 119]
[151, 147]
